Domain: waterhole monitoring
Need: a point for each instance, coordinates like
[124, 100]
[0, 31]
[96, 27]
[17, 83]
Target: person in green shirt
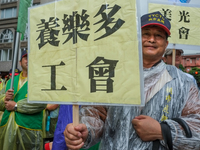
[21, 125]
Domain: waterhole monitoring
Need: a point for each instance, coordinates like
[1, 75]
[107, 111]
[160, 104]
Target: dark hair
[165, 56]
[166, 36]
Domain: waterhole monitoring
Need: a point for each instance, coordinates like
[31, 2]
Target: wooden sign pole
[75, 115]
[76, 107]
[173, 56]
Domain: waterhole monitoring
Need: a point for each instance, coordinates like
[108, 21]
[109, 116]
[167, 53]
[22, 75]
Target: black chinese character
[167, 13]
[183, 33]
[53, 77]
[107, 19]
[76, 24]
[183, 16]
[47, 33]
[100, 72]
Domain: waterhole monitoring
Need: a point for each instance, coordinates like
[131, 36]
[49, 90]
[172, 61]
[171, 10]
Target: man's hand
[75, 136]
[51, 107]
[9, 95]
[102, 112]
[147, 128]
[10, 105]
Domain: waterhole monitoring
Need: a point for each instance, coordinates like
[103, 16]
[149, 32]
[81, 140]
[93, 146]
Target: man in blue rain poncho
[168, 93]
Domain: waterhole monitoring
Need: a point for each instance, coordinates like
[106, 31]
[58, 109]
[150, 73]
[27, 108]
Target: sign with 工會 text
[85, 52]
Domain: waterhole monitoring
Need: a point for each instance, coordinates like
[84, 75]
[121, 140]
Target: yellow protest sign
[184, 22]
[85, 52]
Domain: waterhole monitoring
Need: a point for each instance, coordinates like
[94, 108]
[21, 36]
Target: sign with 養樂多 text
[85, 52]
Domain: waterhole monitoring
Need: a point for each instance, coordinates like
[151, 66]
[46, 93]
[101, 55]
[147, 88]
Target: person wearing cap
[21, 125]
[9, 76]
[168, 57]
[168, 60]
[17, 72]
[170, 118]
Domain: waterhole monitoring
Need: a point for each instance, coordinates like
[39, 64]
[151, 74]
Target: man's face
[168, 59]
[154, 43]
[24, 63]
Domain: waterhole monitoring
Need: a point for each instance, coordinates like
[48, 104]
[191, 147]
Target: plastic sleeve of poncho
[32, 139]
[191, 115]
[29, 108]
[2, 87]
[2, 96]
[2, 104]
[91, 118]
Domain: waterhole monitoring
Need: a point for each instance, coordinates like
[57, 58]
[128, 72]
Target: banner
[85, 52]
[184, 22]
[23, 15]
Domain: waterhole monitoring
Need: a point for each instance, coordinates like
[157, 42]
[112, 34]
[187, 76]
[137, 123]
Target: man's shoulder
[189, 75]
[178, 74]
[175, 72]
[172, 69]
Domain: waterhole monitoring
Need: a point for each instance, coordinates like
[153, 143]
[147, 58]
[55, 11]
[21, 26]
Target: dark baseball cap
[24, 53]
[156, 18]
[17, 71]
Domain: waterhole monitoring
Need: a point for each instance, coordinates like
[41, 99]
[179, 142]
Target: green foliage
[182, 68]
[196, 76]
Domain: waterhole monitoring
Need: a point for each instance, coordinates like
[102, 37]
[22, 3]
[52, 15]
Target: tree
[196, 73]
[182, 68]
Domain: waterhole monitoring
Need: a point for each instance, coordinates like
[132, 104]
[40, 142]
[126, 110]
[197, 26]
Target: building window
[10, 55]
[8, 1]
[8, 13]
[6, 36]
[6, 55]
